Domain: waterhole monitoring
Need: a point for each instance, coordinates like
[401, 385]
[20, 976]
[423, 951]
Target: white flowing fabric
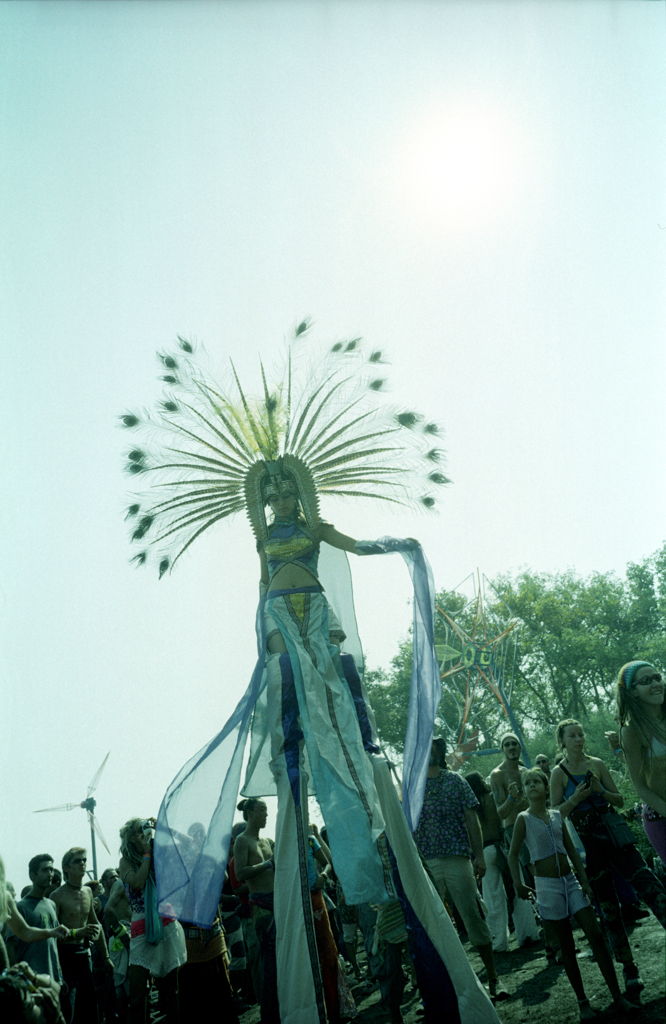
[494, 897]
[474, 1005]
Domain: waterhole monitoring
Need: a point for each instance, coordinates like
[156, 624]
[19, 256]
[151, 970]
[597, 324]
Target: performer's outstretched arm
[331, 536]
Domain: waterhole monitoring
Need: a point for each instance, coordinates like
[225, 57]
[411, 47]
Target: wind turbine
[88, 805]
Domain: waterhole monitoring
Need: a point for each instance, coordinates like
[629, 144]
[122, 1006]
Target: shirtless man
[253, 864]
[253, 857]
[507, 789]
[74, 906]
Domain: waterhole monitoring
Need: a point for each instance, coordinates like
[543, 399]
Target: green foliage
[573, 637]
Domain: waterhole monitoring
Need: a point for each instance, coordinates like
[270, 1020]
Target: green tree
[573, 637]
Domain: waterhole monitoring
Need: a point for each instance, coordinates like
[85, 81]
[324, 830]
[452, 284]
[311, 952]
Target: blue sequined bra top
[291, 544]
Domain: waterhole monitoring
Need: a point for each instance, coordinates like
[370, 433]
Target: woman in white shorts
[559, 894]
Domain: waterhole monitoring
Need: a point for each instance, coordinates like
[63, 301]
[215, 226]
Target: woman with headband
[641, 705]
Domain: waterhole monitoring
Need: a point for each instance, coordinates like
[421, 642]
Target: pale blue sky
[220, 170]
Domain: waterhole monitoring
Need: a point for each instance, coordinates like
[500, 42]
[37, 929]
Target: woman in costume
[581, 786]
[641, 705]
[306, 712]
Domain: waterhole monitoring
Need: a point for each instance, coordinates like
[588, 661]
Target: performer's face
[283, 504]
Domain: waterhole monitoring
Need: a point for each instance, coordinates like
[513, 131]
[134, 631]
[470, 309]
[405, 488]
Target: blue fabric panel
[194, 823]
[354, 683]
[435, 986]
[292, 730]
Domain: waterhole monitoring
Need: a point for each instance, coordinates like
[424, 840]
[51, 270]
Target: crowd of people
[538, 847]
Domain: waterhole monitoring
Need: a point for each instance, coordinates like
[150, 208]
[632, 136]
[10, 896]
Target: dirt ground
[540, 992]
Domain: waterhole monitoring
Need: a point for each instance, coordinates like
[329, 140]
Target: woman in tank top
[581, 786]
[559, 895]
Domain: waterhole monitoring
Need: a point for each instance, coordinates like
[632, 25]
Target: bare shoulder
[632, 739]
[117, 889]
[241, 848]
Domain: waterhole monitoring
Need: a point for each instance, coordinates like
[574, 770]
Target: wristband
[603, 789]
[267, 864]
[617, 751]
[73, 933]
[146, 856]
[512, 798]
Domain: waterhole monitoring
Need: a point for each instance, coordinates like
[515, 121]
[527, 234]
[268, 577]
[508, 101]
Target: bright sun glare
[455, 166]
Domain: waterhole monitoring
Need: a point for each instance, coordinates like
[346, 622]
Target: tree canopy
[572, 637]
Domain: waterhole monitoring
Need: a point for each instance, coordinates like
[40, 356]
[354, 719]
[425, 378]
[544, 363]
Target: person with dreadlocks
[641, 706]
[305, 711]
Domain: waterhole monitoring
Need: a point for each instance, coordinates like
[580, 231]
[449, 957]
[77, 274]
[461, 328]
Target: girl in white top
[559, 896]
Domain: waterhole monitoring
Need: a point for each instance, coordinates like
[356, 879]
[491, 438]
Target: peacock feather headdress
[211, 451]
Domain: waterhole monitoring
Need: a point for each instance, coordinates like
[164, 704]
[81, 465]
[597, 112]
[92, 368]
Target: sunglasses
[80, 860]
[648, 680]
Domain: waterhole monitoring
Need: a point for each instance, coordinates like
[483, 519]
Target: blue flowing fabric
[194, 823]
[426, 687]
[154, 926]
[191, 857]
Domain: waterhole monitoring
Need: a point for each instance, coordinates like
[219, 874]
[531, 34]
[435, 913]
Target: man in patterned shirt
[448, 827]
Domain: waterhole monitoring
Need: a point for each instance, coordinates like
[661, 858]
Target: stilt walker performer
[320, 429]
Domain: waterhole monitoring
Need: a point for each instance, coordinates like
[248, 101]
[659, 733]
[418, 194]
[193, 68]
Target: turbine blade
[60, 807]
[95, 824]
[95, 779]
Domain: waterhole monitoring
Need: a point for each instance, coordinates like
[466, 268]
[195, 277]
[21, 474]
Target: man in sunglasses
[542, 762]
[507, 788]
[74, 906]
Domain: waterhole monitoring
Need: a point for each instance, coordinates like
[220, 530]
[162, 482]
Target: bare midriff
[555, 866]
[655, 775]
[291, 577]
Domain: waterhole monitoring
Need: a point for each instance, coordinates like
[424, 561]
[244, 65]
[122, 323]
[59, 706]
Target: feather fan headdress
[320, 429]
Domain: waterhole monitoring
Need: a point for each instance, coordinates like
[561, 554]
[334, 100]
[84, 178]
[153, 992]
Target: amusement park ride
[477, 664]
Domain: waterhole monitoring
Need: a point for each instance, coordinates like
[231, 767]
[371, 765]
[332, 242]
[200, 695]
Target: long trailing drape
[195, 819]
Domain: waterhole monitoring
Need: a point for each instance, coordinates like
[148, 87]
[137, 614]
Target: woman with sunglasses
[582, 787]
[641, 704]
